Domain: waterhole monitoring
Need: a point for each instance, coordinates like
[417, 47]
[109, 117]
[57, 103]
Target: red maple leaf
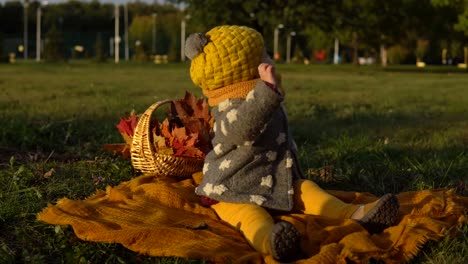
[127, 125]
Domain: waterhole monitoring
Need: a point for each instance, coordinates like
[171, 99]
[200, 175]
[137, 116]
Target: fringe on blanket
[164, 217]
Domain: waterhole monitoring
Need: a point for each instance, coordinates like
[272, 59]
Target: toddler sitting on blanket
[253, 166]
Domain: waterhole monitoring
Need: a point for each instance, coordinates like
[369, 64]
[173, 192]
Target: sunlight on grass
[369, 129]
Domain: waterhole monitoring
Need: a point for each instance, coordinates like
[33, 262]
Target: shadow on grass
[323, 122]
[383, 153]
[69, 139]
[367, 151]
[428, 69]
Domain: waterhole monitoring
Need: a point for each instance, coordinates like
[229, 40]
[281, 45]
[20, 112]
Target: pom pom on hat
[194, 45]
[230, 55]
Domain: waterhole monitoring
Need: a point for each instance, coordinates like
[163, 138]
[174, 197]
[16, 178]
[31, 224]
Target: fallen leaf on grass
[49, 173]
[325, 173]
[122, 148]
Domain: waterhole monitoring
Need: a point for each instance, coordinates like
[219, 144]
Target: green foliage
[462, 24]
[361, 26]
[168, 39]
[79, 16]
[141, 34]
[421, 48]
[167, 35]
[397, 54]
[319, 38]
[1, 45]
[3, 56]
[99, 55]
[449, 250]
[140, 54]
[11, 17]
[456, 49]
[264, 16]
[54, 48]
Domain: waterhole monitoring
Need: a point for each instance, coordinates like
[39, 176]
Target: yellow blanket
[165, 218]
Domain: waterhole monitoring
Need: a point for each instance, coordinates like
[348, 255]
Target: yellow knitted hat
[224, 55]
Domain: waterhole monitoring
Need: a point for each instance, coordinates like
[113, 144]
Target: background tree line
[406, 30]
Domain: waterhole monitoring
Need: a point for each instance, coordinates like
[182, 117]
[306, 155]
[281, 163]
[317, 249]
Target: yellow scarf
[237, 90]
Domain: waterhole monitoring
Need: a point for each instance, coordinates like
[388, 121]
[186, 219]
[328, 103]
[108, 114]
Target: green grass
[375, 130]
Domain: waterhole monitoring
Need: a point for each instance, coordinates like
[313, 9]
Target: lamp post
[25, 29]
[275, 42]
[288, 46]
[116, 35]
[38, 30]
[182, 37]
[154, 33]
[336, 53]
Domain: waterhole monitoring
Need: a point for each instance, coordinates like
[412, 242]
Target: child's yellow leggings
[256, 223]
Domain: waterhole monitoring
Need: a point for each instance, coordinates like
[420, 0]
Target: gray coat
[253, 158]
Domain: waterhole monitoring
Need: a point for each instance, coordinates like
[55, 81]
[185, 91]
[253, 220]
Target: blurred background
[70, 69]
[361, 31]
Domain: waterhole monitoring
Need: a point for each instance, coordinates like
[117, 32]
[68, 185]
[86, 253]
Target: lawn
[357, 128]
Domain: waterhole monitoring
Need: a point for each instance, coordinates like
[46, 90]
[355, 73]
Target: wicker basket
[145, 159]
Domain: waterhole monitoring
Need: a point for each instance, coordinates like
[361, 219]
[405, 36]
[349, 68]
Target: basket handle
[141, 142]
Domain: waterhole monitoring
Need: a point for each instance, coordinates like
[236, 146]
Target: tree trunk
[355, 48]
[383, 55]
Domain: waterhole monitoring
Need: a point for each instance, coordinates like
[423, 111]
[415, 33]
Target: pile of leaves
[185, 132]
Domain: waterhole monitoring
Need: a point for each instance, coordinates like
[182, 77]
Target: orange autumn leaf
[179, 133]
[194, 114]
[186, 148]
[186, 130]
[165, 129]
[191, 108]
[123, 149]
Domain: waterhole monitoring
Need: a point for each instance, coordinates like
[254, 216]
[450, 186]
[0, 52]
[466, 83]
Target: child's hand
[267, 74]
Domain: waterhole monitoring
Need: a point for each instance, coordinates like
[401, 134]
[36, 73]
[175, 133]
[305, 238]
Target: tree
[462, 24]
[361, 25]
[54, 48]
[99, 55]
[140, 34]
[461, 7]
[11, 18]
[1, 44]
[3, 56]
[263, 16]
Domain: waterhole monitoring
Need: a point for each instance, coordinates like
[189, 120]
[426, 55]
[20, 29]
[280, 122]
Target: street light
[336, 53]
[182, 37]
[275, 42]
[38, 30]
[154, 32]
[288, 46]
[25, 29]
[116, 34]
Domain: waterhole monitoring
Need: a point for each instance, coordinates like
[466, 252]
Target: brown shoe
[380, 214]
[285, 242]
